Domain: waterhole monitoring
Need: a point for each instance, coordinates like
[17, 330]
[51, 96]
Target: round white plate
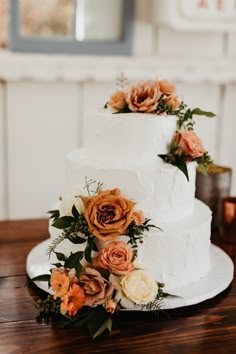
[217, 279]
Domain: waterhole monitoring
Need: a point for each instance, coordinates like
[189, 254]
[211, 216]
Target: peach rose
[111, 305]
[143, 97]
[96, 288]
[138, 217]
[166, 87]
[59, 282]
[189, 144]
[172, 101]
[117, 101]
[108, 214]
[73, 301]
[116, 257]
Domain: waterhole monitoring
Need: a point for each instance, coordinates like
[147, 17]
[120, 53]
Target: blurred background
[59, 60]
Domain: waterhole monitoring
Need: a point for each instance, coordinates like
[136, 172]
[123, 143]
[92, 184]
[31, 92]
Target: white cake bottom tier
[180, 253]
[176, 256]
[161, 191]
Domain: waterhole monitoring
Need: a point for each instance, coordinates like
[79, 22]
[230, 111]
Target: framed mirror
[71, 26]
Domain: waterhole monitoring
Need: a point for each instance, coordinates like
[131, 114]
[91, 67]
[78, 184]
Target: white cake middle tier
[176, 256]
[160, 190]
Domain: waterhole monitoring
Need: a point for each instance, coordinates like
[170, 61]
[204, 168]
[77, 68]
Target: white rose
[139, 287]
[67, 202]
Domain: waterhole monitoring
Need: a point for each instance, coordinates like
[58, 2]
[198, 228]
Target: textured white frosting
[124, 138]
[161, 191]
[179, 254]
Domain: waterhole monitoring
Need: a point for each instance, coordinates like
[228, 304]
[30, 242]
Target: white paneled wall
[45, 104]
[188, 44]
[3, 201]
[42, 127]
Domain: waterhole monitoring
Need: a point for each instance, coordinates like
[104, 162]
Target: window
[71, 26]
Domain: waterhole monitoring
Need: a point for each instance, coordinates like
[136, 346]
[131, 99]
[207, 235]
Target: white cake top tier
[128, 136]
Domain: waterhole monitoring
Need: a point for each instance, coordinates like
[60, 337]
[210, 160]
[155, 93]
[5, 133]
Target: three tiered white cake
[121, 151]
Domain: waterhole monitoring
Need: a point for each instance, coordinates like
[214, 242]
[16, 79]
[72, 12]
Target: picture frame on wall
[101, 27]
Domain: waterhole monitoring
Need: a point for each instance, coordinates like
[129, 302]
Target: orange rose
[111, 305]
[167, 87]
[189, 144]
[73, 301]
[138, 217]
[59, 282]
[108, 214]
[116, 257]
[143, 97]
[117, 101]
[96, 288]
[172, 101]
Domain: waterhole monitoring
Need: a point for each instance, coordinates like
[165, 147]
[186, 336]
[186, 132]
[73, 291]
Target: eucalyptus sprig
[122, 81]
[185, 116]
[91, 182]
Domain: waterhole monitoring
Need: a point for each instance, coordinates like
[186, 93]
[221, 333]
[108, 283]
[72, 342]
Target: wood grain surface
[209, 327]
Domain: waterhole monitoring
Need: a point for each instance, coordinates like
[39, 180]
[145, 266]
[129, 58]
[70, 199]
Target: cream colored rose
[143, 97]
[139, 287]
[166, 87]
[172, 101]
[117, 101]
[67, 202]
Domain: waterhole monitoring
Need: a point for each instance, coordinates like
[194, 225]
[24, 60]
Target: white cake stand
[216, 280]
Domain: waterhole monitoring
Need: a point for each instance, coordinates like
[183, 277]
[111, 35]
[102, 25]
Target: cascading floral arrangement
[90, 286]
[160, 98]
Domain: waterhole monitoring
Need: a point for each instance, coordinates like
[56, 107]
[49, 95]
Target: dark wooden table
[209, 327]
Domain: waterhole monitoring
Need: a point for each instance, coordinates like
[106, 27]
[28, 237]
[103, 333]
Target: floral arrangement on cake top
[159, 98]
[90, 286]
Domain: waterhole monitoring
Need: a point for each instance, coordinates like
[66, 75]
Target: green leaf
[181, 164]
[58, 265]
[78, 269]
[73, 260]
[63, 222]
[88, 250]
[60, 256]
[54, 214]
[107, 325]
[123, 110]
[200, 112]
[75, 212]
[99, 322]
[162, 156]
[76, 239]
[105, 105]
[95, 247]
[42, 277]
[202, 169]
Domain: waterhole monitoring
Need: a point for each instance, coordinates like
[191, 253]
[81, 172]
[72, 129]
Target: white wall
[44, 102]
